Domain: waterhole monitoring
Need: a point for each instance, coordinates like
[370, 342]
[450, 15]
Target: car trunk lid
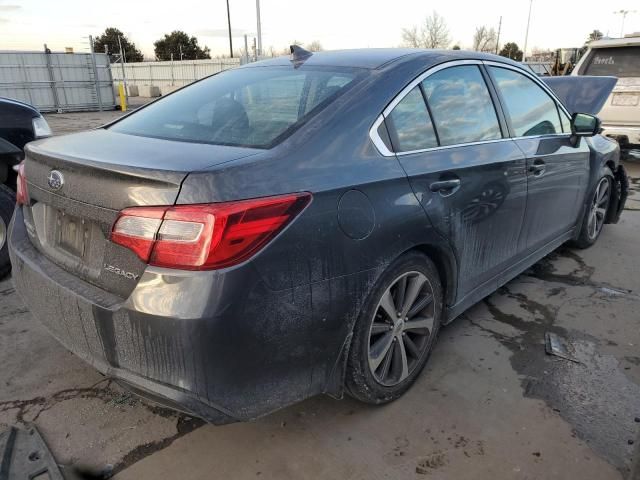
[582, 94]
[77, 185]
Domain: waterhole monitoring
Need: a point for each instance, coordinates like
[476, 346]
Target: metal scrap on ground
[23, 454]
[555, 345]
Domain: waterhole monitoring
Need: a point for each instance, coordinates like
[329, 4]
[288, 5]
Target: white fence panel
[172, 73]
[57, 81]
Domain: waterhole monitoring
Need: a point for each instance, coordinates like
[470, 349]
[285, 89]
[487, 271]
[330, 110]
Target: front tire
[596, 213]
[395, 331]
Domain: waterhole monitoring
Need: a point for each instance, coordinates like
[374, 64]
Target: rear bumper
[625, 134]
[218, 345]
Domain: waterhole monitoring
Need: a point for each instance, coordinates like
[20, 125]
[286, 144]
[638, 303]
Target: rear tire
[597, 209]
[395, 331]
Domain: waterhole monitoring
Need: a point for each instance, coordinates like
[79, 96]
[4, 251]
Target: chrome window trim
[547, 135]
[384, 151]
[377, 141]
[455, 145]
[416, 81]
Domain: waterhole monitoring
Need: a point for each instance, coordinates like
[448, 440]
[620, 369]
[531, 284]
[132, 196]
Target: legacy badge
[119, 271]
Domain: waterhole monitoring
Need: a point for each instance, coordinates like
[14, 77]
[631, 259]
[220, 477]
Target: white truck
[620, 58]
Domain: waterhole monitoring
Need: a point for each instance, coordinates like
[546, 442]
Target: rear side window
[461, 106]
[409, 124]
[617, 62]
[251, 107]
[531, 110]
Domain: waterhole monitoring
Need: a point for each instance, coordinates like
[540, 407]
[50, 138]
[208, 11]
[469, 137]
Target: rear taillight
[205, 236]
[22, 196]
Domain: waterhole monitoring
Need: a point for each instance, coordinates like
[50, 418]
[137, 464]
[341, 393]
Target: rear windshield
[618, 62]
[251, 107]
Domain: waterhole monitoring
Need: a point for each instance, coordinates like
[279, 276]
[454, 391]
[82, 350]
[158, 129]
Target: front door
[557, 172]
[469, 178]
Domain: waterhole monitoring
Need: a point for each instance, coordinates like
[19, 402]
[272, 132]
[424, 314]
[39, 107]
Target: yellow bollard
[123, 100]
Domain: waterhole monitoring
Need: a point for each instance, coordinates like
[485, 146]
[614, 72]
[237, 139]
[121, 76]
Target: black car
[20, 123]
[303, 225]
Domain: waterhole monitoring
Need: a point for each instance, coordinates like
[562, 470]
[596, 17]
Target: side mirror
[583, 125]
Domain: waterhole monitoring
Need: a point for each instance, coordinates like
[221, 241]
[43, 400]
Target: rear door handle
[445, 187]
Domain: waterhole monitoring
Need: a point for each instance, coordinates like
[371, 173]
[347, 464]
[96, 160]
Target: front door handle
[445, 187]
[538, 168]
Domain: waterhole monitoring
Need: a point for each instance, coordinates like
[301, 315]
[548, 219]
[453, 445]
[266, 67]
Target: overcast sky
[27, 24]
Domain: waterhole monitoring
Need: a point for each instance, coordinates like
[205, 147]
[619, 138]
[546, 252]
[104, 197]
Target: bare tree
[484, 39]
[411, 38]
[315, 46]
[434, 33]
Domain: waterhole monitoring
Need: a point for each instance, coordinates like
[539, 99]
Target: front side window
[461, 106]
[251, 107]
[409, 124]
[531, 110]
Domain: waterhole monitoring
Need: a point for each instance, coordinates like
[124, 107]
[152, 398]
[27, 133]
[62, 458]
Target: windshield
[250, 107]
[618, 62]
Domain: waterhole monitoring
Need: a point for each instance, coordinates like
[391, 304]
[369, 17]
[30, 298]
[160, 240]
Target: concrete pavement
[490, 404]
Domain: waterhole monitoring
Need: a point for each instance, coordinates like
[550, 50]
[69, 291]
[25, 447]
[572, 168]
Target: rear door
[557, 172]
[448, 136]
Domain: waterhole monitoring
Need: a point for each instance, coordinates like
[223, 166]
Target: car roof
[615, 42]
[18, 103]
[376, 58]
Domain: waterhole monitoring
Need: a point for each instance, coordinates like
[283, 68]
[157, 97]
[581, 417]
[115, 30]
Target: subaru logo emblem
[55, 180]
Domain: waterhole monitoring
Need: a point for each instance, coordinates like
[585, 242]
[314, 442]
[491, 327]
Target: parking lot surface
[490, 404]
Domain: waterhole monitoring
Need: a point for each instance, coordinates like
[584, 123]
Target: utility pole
[229, 23]
[624, 14]
[526, 35]
[259, 28]
[498, 39]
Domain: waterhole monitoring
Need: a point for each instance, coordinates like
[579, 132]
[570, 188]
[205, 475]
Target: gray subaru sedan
[305, 225]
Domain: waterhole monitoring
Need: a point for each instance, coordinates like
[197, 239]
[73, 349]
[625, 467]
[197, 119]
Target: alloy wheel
[401, 328]
[599, 206]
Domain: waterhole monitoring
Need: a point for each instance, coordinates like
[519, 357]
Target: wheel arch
[611, 164]
[445, 264]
